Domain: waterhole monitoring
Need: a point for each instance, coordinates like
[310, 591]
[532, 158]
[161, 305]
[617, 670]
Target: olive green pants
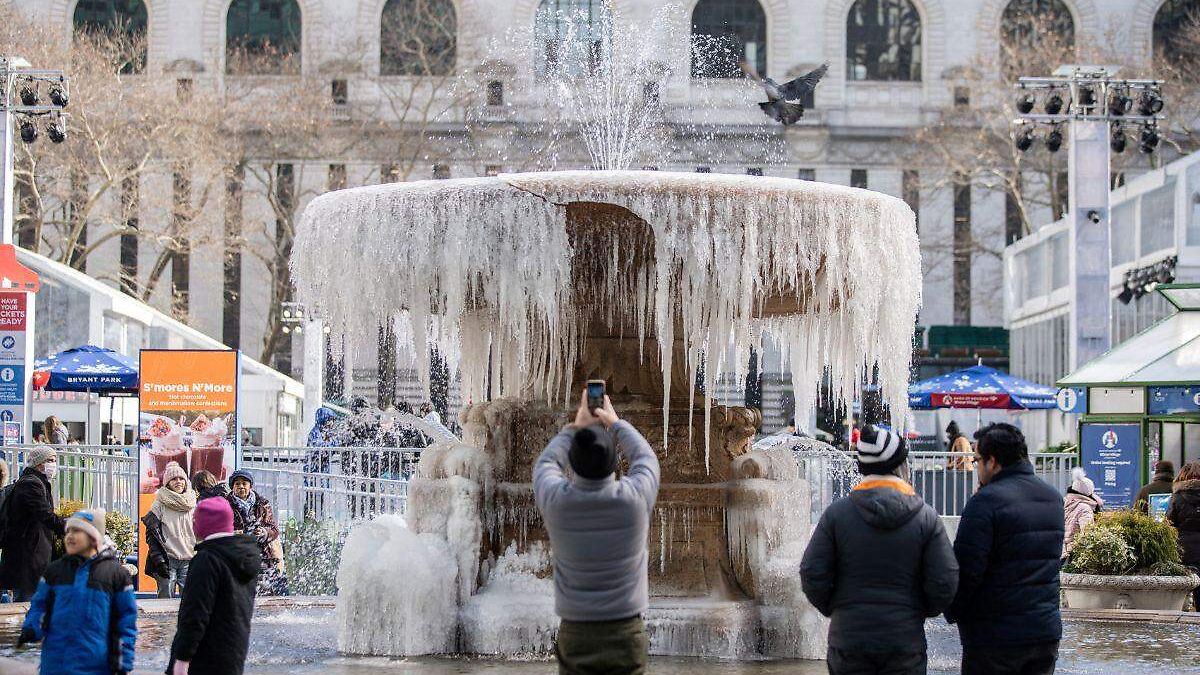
[602, 647]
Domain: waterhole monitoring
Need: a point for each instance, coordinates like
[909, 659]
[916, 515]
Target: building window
[262, 37]
[1175, 26]
[184, 87]
[858, 178]
[571, 36]
[1014, 219]
[389, 173]
[340, 92]
[724, 32]
[121, 21]
[962, 251]
[441, 171]
[492, 170]
[883, 41]
[704, 169]
[231, 310]
[495, 92]
[386, 372]
[806, 174]
[418, 38]
[650, 93]
[285, 202]
[337, 177]
[1033, 32]
[910, 192]
[649, 168]
[962, 97]
[754, 171]
[130, 206]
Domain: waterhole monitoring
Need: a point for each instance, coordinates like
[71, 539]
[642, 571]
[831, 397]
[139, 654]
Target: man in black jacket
[213, 634]
[1008, 546]
[879, 563]
[31, 525]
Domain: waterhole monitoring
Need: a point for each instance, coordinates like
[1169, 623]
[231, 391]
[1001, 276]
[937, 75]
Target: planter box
[1097, 591]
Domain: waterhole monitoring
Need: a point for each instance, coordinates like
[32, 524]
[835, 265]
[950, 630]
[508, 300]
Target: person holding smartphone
[598, 524]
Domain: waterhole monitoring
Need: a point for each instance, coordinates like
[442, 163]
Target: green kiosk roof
[1164, 354]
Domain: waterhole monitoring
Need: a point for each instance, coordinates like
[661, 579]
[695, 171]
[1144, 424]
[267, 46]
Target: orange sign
[189, 380]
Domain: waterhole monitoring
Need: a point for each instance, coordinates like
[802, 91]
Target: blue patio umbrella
[89, 369]
[980, 387]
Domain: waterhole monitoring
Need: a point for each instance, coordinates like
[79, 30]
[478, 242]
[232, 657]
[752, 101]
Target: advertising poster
[1111, 456]
[14, 323]
[188, 402]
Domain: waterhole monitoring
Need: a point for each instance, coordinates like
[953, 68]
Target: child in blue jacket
[84, 607]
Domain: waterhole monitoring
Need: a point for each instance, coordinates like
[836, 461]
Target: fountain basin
[298, 635]
[1103, 591]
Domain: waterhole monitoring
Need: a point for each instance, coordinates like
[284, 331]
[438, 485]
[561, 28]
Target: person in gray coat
[878, 564]
[598, 525]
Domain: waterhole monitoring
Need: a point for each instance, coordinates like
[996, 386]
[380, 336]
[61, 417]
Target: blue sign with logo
[1158, 506]
[1111, 456]
[1072, 400]
[12, 385]
[1167, 400]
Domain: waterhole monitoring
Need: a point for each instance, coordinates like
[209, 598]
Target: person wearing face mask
[30, 524]
[1009, 547]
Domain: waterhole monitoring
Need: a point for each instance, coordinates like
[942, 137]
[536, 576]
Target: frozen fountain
[532, 283]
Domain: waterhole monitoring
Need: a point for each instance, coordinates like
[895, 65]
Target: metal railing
[943, 479]
[100, 476]
[355, 483]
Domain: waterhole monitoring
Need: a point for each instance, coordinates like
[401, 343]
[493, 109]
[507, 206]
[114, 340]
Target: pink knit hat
[212, 516]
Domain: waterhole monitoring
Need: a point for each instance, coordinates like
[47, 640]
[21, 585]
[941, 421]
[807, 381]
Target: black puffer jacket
[32, 528]
[217, 604]
[1184, 514]
[879, 563]
[1009, 545]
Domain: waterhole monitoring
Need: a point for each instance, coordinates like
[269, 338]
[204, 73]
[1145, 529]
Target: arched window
[120, 25]
[725, 32]
[1036, 35]
[571, 35]
[417, 37]
[1176, 36]
[262, 37]
[883, 41]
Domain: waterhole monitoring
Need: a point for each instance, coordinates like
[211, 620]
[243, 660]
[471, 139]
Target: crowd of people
[216, 547]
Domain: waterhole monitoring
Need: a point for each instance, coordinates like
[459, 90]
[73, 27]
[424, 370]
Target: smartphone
[595, 394]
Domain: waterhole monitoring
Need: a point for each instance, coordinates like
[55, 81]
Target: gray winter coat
[879, 563]
[598, 528]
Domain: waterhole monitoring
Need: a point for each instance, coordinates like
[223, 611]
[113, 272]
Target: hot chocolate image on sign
[193, 440]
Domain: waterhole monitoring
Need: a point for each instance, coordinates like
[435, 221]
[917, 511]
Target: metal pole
[6, 151]
[314, 370]
[1088, 201]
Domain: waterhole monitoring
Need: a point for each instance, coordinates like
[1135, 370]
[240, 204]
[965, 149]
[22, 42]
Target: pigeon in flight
[781, 103]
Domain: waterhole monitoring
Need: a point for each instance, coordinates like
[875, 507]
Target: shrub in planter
[117, 527]
[1151, 547]
[312, 552]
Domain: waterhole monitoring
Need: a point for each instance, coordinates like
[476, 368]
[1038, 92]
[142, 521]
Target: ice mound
[513, 613]
[397, 591]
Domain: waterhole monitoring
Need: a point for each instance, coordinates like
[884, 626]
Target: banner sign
[188, 417]
[1111, 456]
[1168, 400]
[14, 326]
[969, 400]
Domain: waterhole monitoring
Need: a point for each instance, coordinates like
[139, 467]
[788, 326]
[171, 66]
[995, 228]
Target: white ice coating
[481, 268]
[405, 581]
[514, 609]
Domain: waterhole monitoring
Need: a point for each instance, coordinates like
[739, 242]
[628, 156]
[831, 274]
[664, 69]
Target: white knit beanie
[90, 521]
[39, 455]
[1081, 483]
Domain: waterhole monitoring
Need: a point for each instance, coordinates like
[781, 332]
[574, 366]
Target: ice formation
[482, 269]
[514, 607]
[396, 594]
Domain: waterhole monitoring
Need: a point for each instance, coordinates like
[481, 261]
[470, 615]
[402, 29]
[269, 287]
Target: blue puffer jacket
[85, 612]
[1008, 547]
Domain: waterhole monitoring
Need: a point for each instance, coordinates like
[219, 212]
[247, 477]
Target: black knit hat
[593, 453]
[880, 451]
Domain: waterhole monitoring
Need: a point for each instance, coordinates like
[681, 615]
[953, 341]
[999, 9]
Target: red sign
[968, 400]
[12, 311]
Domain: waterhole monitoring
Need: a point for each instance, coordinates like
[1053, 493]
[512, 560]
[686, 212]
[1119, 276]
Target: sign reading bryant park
[1111, 456]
